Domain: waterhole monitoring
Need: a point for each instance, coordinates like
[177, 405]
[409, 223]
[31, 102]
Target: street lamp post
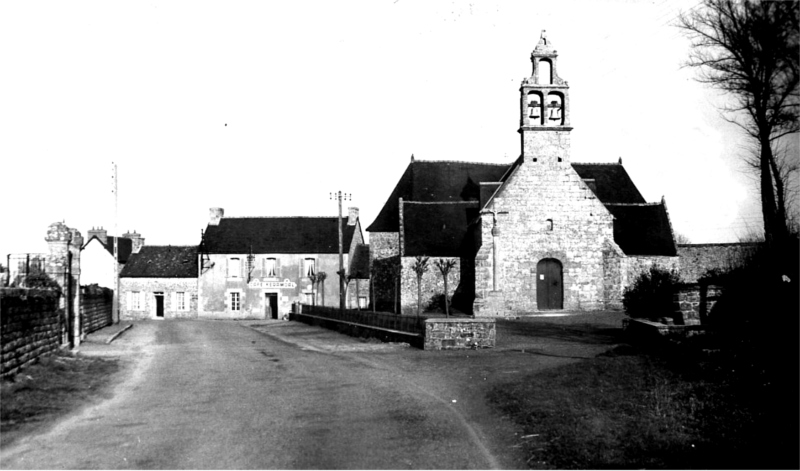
[341, 196]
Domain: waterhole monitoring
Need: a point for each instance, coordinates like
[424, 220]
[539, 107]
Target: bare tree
[444, 266]
[681, 239]
[420, 267]
[751, 50]
[373, 272]
[321, 284]
[313, 278]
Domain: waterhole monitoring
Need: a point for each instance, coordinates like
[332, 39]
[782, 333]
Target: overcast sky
[264, 108]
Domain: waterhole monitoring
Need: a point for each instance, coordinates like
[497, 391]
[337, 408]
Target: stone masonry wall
[535, 193]
[696, 259]
[149, 286]
[30, 326]
[432, 283]
[450, 334]
[95, 308]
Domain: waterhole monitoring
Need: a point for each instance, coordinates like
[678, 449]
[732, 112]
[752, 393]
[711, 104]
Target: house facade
[160, 282]
[542, 233]
[257, 267]
[97, 255]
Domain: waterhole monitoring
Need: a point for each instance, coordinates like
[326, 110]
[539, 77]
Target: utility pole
[341, 196]
[115, 299]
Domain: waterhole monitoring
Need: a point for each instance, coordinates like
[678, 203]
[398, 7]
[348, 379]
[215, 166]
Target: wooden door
[549, 284]
[159, 304]
[271, 306]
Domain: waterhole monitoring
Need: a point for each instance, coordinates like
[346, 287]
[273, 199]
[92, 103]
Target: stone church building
[541, 233]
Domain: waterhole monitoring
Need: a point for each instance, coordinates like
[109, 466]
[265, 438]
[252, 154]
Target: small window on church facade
[549, 225]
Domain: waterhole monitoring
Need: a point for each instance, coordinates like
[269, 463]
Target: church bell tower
[544, 109]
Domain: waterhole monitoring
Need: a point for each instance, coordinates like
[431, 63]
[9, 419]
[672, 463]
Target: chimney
[137, 241]
[215, 215]
[100, 233]
[352, 216]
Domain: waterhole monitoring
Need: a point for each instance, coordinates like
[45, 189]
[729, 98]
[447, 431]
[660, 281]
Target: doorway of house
[159, 304]
[549, 284]
[271, 306]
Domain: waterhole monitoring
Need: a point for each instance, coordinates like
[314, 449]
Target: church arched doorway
[549, 284]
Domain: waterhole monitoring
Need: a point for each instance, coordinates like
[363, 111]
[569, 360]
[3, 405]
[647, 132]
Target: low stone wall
[381, 320]
[430, 333]
[697, 259]
[458, 333]
[30, 326]
[644, 331]
[96, 303]
[693, 303]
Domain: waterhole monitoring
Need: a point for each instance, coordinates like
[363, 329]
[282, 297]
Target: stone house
[538, 234]
[257, 267]
[159, 282]
[98, 255]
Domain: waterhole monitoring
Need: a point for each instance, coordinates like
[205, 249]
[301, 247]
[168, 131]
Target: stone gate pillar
[63, 266]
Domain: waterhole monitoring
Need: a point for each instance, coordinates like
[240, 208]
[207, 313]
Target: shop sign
[285, 284]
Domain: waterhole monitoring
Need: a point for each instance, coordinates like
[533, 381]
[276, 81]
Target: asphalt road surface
[218, 394]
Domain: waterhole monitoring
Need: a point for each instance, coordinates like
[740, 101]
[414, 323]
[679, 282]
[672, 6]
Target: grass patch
[50, 388]
[628, 409]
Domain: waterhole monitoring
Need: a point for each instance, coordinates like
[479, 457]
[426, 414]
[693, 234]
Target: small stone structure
[30, 326]
[459, 333]
[693, 303]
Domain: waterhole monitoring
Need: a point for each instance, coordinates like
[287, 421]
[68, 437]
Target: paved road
[217, 394]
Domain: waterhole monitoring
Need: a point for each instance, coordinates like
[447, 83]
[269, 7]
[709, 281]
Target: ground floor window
[136, 300]
[180, 301]
[362, 302]
[309, 298]
[235, 301]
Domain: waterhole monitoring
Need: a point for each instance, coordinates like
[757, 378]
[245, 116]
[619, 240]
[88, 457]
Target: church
[539, 234]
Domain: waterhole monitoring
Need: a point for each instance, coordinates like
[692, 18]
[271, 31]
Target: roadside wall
[693, 303]
[30, 326]
[457, 333]
[96, 303]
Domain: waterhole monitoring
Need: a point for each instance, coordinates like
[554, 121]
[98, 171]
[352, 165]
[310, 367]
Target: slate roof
[360, 264]
[430, 181]
[159, 261]
[613, 184]
[311, 235]
[642, 229]
[124, 250]
[441, 229]
[438, 229]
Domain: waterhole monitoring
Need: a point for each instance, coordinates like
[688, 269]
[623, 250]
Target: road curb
[113, 337]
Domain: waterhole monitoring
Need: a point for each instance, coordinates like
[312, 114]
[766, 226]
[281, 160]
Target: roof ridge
[634, 204]
[596, 163]
[459, 162]
[170, 246]
[441, 202]
[281, 217]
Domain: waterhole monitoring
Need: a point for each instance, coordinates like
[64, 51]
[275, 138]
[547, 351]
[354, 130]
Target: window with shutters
[180, 301]
[236, 304]
[270, 267]
[234, 268]
[136, 301]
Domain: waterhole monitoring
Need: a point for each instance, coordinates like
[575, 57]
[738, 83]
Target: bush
[650, 296]
[436, 303]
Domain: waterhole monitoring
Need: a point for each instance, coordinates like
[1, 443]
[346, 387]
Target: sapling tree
[420, 267]
[444, 266]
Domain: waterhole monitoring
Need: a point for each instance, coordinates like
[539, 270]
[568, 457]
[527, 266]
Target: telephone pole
[115, 298]
[341, 196]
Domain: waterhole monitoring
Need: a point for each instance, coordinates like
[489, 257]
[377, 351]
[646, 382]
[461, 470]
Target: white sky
[326, 96]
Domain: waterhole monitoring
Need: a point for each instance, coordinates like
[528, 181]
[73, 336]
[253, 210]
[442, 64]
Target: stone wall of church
[551, 214]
